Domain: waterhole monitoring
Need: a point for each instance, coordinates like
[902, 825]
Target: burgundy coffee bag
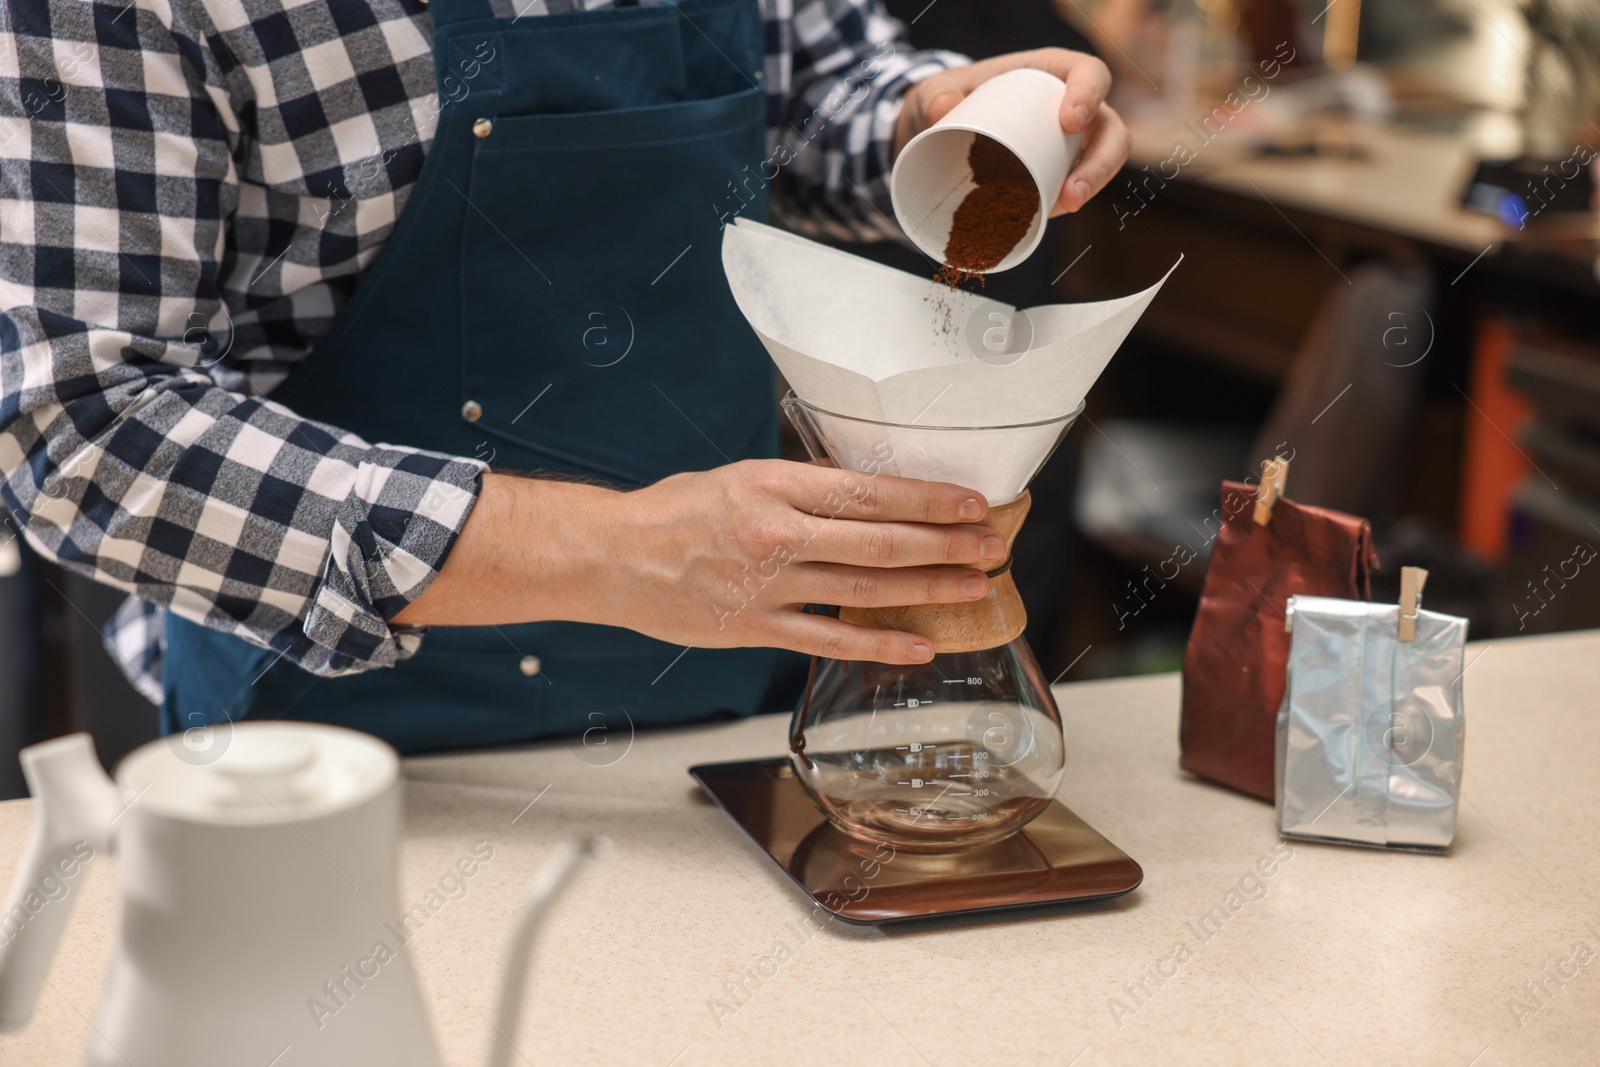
[1233, 671]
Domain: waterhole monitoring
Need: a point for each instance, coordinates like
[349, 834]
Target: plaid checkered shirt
[190, 191]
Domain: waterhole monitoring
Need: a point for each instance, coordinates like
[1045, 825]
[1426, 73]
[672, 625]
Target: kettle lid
[258, 772]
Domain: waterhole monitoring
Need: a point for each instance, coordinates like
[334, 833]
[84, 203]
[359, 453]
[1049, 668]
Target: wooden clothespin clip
[1274, 473]
[1412, 580]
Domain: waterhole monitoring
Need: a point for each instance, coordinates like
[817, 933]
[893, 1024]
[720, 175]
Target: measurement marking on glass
[930, 804]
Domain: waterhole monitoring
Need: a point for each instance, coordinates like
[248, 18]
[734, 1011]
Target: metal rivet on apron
[472, 411]
[529, 666]
[483, 127]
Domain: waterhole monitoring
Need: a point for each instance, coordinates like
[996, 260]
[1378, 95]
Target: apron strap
[450, 12]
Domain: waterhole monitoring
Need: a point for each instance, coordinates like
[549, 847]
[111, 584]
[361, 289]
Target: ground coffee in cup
[994, 216]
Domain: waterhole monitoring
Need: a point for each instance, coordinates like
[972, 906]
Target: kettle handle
[554, 879]
[75, 804]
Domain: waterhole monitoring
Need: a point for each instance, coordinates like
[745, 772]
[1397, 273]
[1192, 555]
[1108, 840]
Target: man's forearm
[718, 559]
[525, 554]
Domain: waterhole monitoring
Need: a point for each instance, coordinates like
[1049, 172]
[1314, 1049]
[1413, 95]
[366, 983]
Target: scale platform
[1056, 858]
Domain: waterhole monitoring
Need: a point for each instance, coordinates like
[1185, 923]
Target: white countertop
[1346, 956]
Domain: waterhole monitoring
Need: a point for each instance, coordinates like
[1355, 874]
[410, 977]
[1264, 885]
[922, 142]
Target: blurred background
[1387, 218]
[1389, 231]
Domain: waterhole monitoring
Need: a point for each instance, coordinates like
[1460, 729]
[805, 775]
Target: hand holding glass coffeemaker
[965, 750]
[908, 377]
[951, 760]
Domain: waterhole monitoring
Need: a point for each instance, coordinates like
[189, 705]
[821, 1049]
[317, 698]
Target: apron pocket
[599, 337]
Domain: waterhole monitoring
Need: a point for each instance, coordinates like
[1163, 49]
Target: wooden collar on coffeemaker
[996, 619]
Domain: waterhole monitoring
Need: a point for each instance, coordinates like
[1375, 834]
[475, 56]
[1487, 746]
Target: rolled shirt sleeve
[392, 533]
[229, 510]
[135, 444]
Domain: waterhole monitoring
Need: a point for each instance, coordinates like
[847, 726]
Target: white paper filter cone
[867, 341]
[998, 462]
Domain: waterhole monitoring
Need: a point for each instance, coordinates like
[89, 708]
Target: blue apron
[553, 297]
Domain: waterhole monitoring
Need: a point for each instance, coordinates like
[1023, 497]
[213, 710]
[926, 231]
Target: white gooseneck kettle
[258, 878]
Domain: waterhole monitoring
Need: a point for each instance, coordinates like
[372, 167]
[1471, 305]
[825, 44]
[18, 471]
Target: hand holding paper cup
[1003, 137]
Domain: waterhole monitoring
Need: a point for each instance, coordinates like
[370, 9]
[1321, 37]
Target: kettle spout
[554, 880]
[75, 803]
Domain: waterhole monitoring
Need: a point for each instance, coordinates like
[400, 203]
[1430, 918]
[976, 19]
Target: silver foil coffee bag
[1371, 726]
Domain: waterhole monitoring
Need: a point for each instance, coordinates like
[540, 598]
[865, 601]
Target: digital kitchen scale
[1056, 858]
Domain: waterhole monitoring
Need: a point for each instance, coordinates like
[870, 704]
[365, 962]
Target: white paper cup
[1020, 109]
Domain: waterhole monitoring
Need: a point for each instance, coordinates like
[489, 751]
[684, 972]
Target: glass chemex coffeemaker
[926, 790]
[963, 750]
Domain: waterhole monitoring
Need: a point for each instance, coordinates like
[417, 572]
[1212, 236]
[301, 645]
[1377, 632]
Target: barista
[382, 351]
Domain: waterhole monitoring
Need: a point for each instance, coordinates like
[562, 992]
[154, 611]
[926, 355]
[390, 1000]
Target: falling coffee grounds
[994, 215]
